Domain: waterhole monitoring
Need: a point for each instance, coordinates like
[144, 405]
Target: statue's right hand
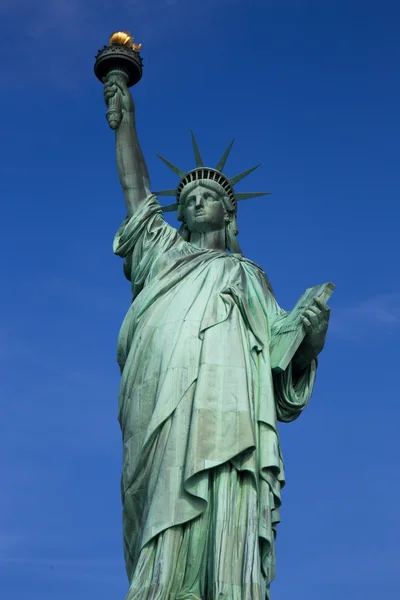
[114, 86]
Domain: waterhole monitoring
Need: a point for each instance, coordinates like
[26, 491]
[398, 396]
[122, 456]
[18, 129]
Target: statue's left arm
[315, 322]
[293, 387]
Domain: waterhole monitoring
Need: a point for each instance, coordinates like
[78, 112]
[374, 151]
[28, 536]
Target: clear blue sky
[310, 89]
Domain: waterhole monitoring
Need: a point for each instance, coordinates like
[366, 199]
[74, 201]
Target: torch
[119, 60]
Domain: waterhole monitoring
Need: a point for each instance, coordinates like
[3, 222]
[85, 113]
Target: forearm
[309, 349]
[302, 360]
[131, 166]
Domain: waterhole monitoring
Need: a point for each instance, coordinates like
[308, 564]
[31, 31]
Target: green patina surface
[199, 402]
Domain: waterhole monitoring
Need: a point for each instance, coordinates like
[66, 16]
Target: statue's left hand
[315, 322]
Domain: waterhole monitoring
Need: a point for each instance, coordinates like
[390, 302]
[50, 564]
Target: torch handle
[114, 112]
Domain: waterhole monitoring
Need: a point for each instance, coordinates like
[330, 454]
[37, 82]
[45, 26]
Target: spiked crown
[214, 174]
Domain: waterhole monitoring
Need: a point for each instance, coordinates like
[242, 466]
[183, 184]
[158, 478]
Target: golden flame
[123, 38]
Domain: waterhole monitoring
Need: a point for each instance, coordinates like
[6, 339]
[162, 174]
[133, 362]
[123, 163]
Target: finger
[110, 91]
[306, 323]
[109, 94]
[315, 310]
[312, 317]
[121, 86]
[322, 305]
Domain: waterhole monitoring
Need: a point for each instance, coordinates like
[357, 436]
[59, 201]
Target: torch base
[111, 58]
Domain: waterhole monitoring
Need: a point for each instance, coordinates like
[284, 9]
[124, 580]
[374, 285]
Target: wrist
[306, 353]
[300, 363]
[128, 115]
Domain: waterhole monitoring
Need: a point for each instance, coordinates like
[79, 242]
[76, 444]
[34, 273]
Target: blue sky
[311, 90]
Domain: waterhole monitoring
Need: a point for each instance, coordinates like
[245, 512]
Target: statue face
[204, 210]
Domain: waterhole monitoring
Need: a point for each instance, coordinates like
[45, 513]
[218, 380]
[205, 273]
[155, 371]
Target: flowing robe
[197, 390]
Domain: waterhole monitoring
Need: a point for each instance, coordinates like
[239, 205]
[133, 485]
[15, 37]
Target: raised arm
[132, 169]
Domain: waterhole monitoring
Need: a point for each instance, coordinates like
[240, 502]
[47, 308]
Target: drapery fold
[197, 389]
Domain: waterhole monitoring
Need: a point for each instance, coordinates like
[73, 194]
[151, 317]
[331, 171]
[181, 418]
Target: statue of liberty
[199, 401]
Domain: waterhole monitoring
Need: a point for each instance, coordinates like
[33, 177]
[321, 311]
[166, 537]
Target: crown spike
[166, 192]
[237, 178]
[245, 195]
[170, 207]
[224, 157]
[196, 151]
[181, 174]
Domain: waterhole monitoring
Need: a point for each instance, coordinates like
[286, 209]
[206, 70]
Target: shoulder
[259, 273]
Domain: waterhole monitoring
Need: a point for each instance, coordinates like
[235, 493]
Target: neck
[209, 240]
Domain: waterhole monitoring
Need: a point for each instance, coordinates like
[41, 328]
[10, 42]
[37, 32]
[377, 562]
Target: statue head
[205, 206]
[205, 198]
